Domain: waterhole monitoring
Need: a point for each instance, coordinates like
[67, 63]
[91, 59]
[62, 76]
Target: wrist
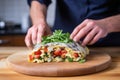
[112, 23]
[38, 13]
[40, 21]
[107, 24]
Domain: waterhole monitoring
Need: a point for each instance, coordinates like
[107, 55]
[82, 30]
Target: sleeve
[46, 2]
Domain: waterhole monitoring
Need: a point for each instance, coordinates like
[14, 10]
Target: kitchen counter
[112, 73]
[12, 32]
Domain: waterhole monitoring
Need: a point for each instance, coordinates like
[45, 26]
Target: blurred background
[13, 13]
[15, 21]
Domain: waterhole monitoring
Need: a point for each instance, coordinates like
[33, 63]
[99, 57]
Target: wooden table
[112, 73]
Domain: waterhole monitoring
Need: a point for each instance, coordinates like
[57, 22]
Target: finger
[28, 40]
[34, 35]
[96, 38]
[90, 36]
[78, 28]
[84, 31]
[41, 31]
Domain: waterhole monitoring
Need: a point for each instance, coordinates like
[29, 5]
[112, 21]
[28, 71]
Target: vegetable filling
[58, 48]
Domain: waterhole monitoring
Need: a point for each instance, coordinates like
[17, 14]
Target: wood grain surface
[95, 62]
[111, 73]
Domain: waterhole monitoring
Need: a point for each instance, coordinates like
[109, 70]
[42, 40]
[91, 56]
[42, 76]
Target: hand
[90, 31]
[35, 33]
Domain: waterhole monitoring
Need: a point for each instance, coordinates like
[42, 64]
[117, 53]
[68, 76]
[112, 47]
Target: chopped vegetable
[82, 60]
[45, 49]
[57, 52]
[31, 57]
[63, 55]
[40, 58]
[46, 55]
[70, 59]
[76, 55]
[37, 52]
[63, 51]
[37, 56]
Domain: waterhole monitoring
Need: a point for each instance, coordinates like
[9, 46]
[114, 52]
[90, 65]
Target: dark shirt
[70, 13]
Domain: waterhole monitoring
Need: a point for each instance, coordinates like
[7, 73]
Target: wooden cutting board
[95, 62]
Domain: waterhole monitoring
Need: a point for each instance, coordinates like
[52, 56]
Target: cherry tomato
[37, 56]
[46, 49]
[63, 51]
[31, 57]
[63, 55]
[76, 55]
[57, 52]
[37, 52]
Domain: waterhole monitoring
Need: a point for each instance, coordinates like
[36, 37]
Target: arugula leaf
[82, 60]
[58, 36]
[70, 59]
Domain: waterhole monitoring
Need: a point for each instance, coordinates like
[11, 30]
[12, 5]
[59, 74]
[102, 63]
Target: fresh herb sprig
[58, 36]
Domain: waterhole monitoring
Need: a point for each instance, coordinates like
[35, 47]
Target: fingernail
[75, 40]
[38, 42]
[34, 42]
[83, 44]
[71, 37]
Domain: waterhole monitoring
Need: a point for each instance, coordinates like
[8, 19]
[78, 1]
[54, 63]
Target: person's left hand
[90, 31]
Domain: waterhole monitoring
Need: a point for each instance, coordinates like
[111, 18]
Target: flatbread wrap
[58, 48]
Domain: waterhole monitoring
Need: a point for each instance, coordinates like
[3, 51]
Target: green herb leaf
[70, 59]
[82, 60]
[46, 55]
[40, 58]
[58, 36]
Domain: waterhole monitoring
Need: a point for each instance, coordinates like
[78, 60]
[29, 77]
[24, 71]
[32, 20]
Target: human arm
[40, 27]
[93, 30]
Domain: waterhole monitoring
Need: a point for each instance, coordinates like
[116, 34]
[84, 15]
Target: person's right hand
[35, 33]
